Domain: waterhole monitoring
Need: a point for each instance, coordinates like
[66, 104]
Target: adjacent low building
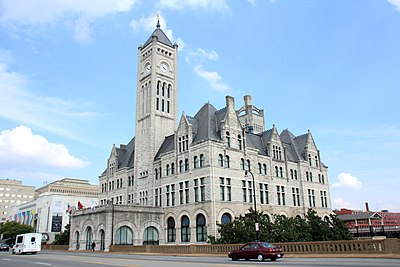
[367, 224]
[49, 212]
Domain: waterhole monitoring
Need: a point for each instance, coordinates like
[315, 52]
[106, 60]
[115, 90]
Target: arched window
[295, 174]
[276, 171]
[267, 218]
[309, 159]
[181, 166]
[201, 160]
[169, 91]
[291, 173]
[88, 238]
[124, 236]
[265, 168]
[150, 236]
[227, 162]
[172, 168]
[242, 164]
[201, 228]
[185, 229]
[186, 165]
[240, 146]
[171, 229]
[102, 239]
[259, 168]
[281, 171]
[221, 160]
[316, 161]
[167, 170]
[195, 162]
[248, 165]
[228, 139]
[226, 218]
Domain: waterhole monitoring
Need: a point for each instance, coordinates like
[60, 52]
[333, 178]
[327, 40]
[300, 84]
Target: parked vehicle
[256, 250]
[4, 247]
[27, 243]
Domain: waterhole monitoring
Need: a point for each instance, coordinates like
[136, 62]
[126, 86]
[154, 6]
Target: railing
[384, 246]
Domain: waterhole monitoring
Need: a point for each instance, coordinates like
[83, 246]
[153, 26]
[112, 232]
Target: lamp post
[255, 203]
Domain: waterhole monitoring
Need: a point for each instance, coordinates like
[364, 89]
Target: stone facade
[186, 178]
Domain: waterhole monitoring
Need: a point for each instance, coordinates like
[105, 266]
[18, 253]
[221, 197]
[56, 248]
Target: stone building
[13, 192]
[176, 179]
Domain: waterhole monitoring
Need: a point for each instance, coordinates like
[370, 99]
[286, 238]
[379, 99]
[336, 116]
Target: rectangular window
[187, 191]
[296, 196]
[264, 198]
[280, 191]
[181, 193]
[228, 189]
[196, 190]
[167, 195]
[202, 189]
[222, 188]
[173, 195]
[244, 189]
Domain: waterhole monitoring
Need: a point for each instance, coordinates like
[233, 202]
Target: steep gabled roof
[161, 37]
[287, 139]
[206, 124]
[167, 146]
[255, 141]
[127, 158]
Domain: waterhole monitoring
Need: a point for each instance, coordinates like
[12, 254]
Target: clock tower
[156, 102]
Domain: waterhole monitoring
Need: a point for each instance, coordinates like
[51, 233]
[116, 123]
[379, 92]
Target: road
[76, 259]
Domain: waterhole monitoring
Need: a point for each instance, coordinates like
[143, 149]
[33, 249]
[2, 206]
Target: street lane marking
[42, 263]
[6, 259]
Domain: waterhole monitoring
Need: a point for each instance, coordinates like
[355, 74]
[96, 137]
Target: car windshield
[267, 245]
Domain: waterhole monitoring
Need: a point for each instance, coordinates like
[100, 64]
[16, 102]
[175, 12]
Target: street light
[255, 203]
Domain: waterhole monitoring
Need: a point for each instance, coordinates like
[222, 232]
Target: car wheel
[234, 257]
[260, 257]
[273, 259]
[13, 252]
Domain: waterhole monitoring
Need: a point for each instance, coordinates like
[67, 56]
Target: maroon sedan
[256, 250]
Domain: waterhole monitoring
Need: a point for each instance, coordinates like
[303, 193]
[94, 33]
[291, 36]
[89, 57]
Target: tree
[11, 229]
[297, 229]
[63, 237]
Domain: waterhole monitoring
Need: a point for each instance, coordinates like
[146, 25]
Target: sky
[68, 73]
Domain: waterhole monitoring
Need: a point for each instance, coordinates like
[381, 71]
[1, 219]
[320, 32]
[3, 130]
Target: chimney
[366, 206]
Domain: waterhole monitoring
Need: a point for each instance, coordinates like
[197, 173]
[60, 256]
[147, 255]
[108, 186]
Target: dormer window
[309, 159]
[316, 161]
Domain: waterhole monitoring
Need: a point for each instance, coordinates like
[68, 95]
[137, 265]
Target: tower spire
[158, 21]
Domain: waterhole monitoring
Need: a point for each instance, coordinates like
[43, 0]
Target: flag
[69, 210]
[80, 206]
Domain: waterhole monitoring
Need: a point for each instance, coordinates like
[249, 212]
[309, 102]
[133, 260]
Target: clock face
[147, 68]
[164, 67]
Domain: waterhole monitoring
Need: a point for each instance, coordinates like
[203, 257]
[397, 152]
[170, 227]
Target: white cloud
[213, 78]
[395, 3]
[31, 14]
[347, 180]
[49, 113]
[199, 54]
[19, 147]
[218, 5]
[341, 203]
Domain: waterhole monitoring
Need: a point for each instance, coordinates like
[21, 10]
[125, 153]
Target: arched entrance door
[88, 238]
[102, 238]
[77, 240]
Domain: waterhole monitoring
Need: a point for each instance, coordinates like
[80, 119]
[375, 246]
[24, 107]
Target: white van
[27, 243]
